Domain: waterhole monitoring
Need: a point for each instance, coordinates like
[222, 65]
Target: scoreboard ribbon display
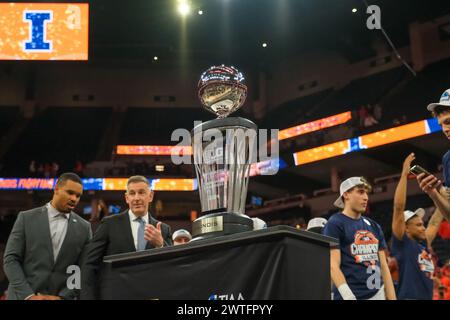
[106, 184]
[44, 31]
[372, 140]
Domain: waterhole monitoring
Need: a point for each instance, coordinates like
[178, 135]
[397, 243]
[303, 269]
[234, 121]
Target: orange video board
[395, 134]
[315, 125]
[44, 31]
[118, 184]
[115, 184]
[371, 140]
[153, 150]
[322, 152]
[174, 184]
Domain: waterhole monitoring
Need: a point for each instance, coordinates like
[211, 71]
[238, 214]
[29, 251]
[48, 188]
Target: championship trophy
[223, 151]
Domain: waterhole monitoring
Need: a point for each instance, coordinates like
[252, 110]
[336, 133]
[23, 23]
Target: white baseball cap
[347, 185]
[409, 214]
[181, 233]
[316, 224]
[444, 101]
[259, 224]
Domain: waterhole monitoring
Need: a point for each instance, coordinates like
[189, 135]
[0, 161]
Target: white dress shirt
[58, 222]
[135, 225]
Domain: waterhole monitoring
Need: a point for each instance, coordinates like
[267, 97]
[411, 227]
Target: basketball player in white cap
[410, 243]
[428, 182]
[359, 268]
[181, 236]
[316, 225]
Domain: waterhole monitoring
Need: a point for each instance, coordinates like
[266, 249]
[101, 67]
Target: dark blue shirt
[446, 168]
[415, 269]
[359, 242]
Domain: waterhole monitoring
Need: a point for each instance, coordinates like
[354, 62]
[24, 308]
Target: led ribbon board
[315, 125]
[372, 140]
[116, 184]
[153, 150]
[267, 167]
[137, 150]
[106, 184]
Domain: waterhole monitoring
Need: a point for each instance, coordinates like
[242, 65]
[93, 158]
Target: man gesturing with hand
[132, 230]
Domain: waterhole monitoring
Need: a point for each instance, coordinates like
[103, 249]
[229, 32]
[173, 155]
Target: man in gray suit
[44, 243]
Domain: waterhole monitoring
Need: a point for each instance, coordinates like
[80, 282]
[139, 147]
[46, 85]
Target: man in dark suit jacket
[132, 230]
[44, 243]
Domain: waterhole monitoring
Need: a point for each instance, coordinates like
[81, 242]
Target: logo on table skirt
[238, 296]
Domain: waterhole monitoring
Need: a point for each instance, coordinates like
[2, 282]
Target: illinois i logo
[37, 21]
[365, 248]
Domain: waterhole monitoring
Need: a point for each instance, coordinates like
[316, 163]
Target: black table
[274, 263]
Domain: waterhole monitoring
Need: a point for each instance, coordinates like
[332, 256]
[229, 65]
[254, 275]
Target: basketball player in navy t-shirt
[359, 267]
[430, 184]
[410, 242]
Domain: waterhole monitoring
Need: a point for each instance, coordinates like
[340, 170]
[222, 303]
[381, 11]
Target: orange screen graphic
[44, 31]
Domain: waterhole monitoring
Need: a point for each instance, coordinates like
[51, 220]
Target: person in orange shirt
[445, 280]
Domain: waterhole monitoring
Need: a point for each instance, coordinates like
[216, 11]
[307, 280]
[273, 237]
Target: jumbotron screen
[44, 31]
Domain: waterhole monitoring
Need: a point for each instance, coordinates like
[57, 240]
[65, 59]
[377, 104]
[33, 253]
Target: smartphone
[416, 170]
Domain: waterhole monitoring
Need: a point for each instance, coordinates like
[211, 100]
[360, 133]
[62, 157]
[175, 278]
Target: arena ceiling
[233, 31]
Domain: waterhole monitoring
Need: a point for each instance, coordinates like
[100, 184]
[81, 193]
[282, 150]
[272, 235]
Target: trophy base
[220, 224]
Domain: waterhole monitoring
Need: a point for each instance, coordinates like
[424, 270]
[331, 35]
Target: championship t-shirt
[359, 242]
[416, 269]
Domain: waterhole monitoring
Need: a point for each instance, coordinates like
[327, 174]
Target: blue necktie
[141, 242]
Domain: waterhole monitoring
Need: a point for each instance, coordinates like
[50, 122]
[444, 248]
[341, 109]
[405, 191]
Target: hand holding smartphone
[425, 182]
[416, 170]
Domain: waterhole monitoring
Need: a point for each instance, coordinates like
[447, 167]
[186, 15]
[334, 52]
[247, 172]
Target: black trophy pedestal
[220, 224]
[278, 263]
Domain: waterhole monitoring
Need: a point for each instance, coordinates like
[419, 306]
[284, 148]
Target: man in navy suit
[132, 230]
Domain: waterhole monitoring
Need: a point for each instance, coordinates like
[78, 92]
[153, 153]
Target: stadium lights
[184, 7]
